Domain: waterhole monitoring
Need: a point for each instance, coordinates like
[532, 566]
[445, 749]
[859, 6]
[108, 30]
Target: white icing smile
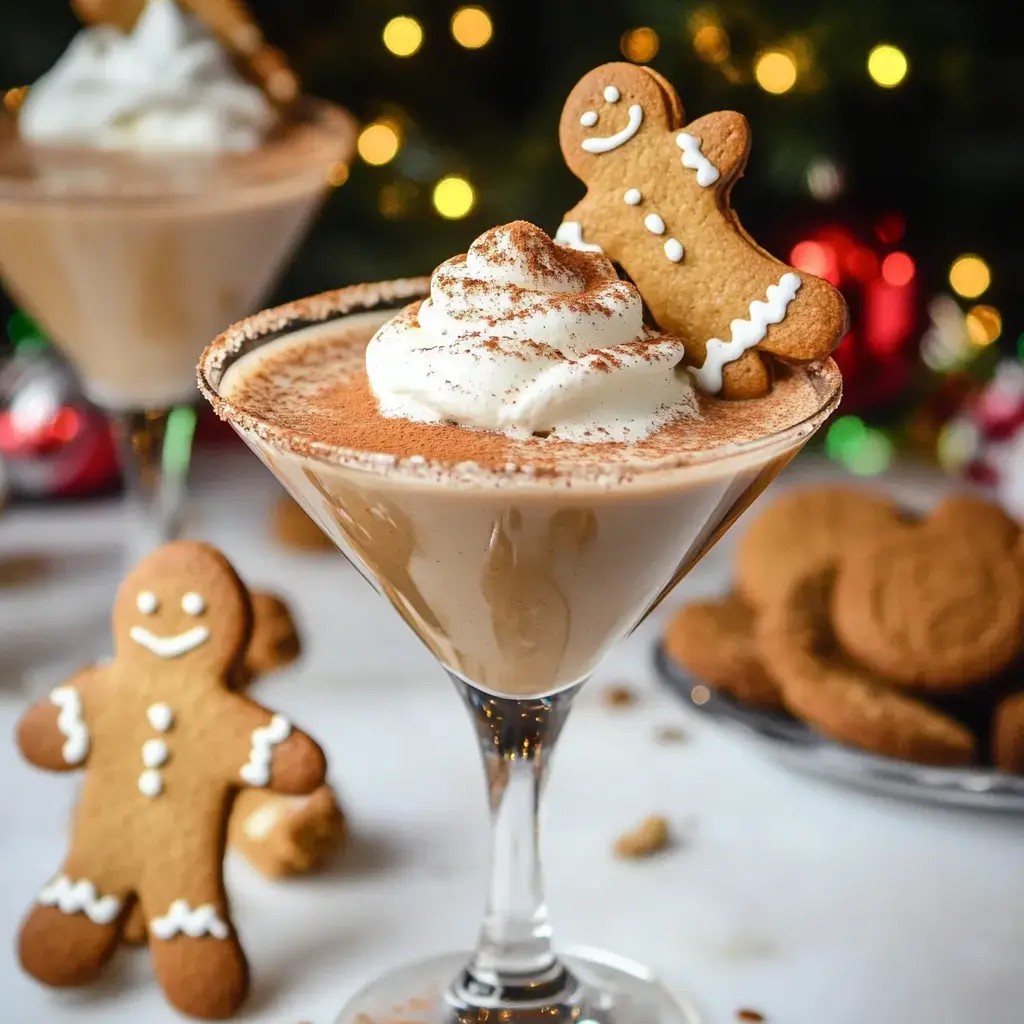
[606, 143]
[170, 646]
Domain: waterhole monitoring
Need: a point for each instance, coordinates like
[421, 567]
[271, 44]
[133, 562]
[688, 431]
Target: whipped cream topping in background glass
[168, 85]
[522, 335]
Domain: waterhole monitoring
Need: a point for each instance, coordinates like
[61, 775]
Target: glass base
[611, 990]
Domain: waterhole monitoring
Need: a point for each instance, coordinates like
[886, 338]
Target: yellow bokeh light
[14, 98]
[337, 174]
[775, 71]
[472, 27]
[710, 43]
[969, 276]
[887, 65]
[453, 197]
[403, 36]
[640, 45]
[379, 142]
[984, 325]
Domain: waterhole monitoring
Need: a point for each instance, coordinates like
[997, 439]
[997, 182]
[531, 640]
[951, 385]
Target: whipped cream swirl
[522, 335]
[168, 85]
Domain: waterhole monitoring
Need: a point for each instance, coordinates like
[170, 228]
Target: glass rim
[278, 322]
[309, 110]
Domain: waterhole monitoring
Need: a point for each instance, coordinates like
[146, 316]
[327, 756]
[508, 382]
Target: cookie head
[183, 604]
[611, 108]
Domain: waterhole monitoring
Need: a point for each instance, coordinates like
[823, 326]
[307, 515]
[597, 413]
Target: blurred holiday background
[887, 158]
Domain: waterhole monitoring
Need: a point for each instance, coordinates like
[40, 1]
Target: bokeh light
[984, 325]
[472, 27]
[403, 36]
[640, 45]
[711, 43]
[453, 197]
[775, 71]
[898, 269]
[816, 258]
[969, 276]
[887, 65]
[863, 450]
[379, 142]
[824, 179]
[337, 174]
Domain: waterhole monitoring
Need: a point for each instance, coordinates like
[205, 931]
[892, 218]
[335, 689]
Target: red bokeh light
[898, 269]
[816, 258]
[862, 263]
[890, 228]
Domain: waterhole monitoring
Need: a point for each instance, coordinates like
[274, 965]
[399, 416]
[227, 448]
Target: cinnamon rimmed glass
[496, 573]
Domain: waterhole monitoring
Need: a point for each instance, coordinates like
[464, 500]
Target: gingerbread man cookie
[657, 203]
[165, 745]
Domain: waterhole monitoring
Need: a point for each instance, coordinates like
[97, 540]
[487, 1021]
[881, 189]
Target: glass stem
[514, 965]
[154, 485]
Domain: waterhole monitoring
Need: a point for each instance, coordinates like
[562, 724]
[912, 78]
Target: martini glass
[131, 261]
[518, 586]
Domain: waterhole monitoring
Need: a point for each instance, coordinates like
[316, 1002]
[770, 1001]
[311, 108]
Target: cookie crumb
[649, 837]
[668, 734]
[619, 695]
[750, 1015]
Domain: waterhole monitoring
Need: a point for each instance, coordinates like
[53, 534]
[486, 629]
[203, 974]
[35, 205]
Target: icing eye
[588, 118]
[147, 602]
[611, 94]
[193, 603]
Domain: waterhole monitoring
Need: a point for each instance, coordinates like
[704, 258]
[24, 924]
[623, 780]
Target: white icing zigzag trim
[707, 172]
[170, 646]
[746, 333]
[182, 919]
[79, 898]
[256, 771]
[71, 724]
[606, 143]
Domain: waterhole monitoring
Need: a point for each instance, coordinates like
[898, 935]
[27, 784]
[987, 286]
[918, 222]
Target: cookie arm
[54, 733]
[572, 233]
[271, 753]
[722, 140]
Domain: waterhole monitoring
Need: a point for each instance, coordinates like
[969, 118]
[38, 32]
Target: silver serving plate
[800, 748]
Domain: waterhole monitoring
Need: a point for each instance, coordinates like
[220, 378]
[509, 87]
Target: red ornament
[879, 353]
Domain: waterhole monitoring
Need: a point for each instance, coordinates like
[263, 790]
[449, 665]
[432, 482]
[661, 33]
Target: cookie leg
[135, 926]
[66, 949]
[196, 954]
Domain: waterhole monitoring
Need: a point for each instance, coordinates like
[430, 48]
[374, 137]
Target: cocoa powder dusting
[315, 392]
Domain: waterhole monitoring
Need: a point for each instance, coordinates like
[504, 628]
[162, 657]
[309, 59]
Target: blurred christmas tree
[886, 139]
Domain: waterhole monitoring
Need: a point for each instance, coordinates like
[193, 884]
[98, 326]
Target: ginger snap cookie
[657, 203]
[275, 640]
[828, 691]
[975, 520]
[165, 744]
[935, 615]
[286, 835]
[294, 529]
[801, 528]
[715, 642]
[1008, 734]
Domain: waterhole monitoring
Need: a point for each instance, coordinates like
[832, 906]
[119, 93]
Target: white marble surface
[810, 904]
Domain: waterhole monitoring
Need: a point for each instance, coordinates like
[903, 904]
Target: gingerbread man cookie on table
[657, 203]
[165, 744]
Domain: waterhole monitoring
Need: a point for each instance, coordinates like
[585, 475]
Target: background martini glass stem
[155, 448]
[514, 962]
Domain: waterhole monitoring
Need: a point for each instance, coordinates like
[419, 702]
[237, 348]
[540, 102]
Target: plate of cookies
[870, 645]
